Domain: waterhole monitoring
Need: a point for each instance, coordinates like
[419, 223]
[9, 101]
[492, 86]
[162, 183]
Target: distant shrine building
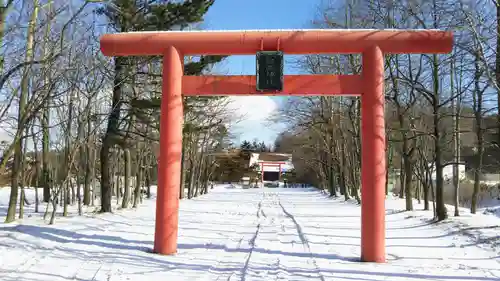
[271, 166]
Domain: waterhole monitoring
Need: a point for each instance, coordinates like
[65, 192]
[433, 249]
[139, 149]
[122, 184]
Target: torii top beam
[301, 41]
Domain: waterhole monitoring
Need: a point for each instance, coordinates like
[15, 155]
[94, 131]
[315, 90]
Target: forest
[441, 110]
[71, 117]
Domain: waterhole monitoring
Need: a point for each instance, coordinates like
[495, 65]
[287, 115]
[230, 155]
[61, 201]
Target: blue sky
[257, 14]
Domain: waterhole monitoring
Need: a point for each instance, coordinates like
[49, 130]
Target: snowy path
[235, 234]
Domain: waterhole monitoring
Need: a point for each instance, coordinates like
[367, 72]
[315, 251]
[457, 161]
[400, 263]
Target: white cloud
[252, 108]
[250, 115]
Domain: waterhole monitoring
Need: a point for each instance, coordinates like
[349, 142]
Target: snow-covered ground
[250, 234]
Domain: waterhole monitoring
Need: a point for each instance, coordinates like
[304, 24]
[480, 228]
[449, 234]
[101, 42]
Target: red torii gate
[372, 44]
[263, 164]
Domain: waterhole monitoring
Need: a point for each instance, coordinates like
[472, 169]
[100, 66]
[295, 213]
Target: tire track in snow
[252, 242]
[305, 242]
[220, 266]
[274, 255]
[261, 260]
[282, 264]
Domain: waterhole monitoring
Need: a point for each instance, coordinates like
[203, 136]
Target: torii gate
[270, 164]
[372, 44]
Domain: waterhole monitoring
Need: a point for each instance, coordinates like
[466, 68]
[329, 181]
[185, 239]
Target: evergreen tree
[262, 147]
[246, 146]
[254, 146]
[142, 15]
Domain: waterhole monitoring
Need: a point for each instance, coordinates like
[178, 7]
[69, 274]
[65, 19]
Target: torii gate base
[372, 44]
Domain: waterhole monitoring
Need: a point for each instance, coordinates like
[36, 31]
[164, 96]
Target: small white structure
[245, 182]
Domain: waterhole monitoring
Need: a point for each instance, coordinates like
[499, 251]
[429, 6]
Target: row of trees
[255, 146]
[440, 108]
[77, 118]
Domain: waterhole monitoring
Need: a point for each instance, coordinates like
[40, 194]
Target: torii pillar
[372, 44]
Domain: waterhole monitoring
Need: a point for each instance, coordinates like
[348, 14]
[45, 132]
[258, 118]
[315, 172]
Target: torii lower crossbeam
[307, 85]
[372, 44]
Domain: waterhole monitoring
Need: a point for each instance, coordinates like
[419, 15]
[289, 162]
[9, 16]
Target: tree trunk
[66, 197]
[148, 184]
[88, 157]
[21, 203]
[426, 187]
[38, 169]
[3, 15]
[497, 70]
[68, 158]
[116, 182]
[138, 183]
[418, 192]
[477, 98]
[342, 176]
[401, 179]
[408, 184]
[183, 171]
[126, 193]
[387, 181]
[441, 211]
[23, 174]
[18, 150]
[191, 177]
[199, 173]
[56, 192]
[54, 208]
[330, 138]
[112, 129]
[45, 115]
[475, 193]
[93, 170]
[455, 104]
[73, 184]
[81, 175]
